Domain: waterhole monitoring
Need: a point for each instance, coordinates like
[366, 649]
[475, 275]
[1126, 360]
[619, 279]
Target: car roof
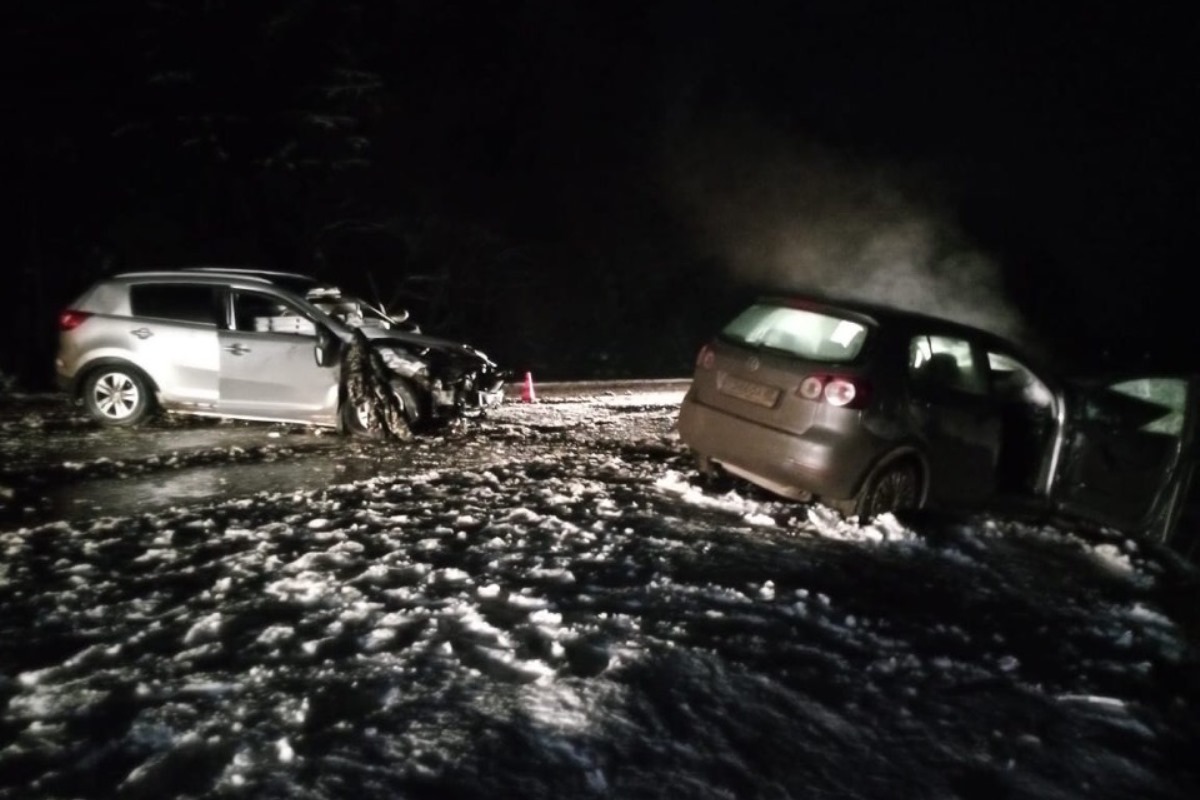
[290, 281]
[183, 275]
[267, 274]
[293, 281]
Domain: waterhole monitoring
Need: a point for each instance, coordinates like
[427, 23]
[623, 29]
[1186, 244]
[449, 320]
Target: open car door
[1129, 452]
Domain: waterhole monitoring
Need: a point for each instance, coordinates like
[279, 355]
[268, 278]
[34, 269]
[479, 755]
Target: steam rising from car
[791, 216]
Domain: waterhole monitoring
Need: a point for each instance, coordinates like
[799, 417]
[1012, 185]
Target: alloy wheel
[117, 396]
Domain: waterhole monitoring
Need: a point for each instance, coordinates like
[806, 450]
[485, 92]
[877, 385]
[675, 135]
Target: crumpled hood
[382, 336]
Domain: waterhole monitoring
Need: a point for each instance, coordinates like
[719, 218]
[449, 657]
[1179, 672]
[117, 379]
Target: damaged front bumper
[467, 394]
[456, 378]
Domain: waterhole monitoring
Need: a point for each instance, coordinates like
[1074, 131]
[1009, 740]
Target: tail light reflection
[70, 319]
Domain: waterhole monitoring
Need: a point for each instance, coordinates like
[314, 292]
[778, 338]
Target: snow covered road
[546, 604]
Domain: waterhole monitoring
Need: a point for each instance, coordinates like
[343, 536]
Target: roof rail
[189, 273]
[249, 271]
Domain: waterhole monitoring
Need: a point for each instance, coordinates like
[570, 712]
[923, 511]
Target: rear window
[174, 301]
[807, 334]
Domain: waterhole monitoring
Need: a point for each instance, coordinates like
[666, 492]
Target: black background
[578, 188]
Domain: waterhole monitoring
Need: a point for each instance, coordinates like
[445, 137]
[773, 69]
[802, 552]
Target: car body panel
[758, 386]
[782, 462]
[180, 358]
[261, 364]
[275, 375]
[744, 410]
[183, 359]
[268, 350]
[830, 450]
[988, 428]
[960, 435]
[1129, 451]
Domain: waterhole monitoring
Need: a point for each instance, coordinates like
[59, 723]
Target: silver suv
[871, 409]
[257, 345]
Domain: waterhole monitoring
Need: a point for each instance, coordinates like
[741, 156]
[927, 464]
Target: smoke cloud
[796, 217]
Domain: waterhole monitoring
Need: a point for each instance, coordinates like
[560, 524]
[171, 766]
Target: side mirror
[328, 348]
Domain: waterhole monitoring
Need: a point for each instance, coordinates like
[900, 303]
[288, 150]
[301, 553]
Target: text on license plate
[757, 393]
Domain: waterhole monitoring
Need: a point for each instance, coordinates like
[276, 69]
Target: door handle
[142, 333]
[237, 349]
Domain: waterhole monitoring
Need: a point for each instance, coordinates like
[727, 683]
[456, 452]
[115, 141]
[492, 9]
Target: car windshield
[807, 334]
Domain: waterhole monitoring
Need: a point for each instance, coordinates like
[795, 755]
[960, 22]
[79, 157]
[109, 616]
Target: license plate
[757, 393]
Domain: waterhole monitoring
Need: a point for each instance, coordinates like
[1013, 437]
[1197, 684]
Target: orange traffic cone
[527, 393]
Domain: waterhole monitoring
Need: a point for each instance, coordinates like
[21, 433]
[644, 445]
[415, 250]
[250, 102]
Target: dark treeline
[422, 154]
[510, 171]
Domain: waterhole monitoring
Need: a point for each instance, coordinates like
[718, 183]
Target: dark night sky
[629, 164]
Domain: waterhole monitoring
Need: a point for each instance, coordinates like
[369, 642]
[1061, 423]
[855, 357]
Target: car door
[172, 335]
[1129, 452]
[1028, 410]
[269, 367]
[951, 409]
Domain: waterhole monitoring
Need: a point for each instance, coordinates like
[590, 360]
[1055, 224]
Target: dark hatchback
[872, 409]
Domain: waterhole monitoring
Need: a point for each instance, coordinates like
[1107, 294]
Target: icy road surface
[545, 604]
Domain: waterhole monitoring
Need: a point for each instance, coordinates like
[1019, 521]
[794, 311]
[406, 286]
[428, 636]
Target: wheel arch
[418, 401]
[415, 408]
[905, 453]
[81, 376]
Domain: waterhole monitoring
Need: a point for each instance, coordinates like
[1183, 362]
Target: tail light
[704, 359]
[842, 391]
[70, 319]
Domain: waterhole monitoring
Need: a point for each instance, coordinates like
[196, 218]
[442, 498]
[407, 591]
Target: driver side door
[1130, 452]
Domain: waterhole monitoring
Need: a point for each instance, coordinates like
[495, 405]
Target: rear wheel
[893, 487]
[117, 396]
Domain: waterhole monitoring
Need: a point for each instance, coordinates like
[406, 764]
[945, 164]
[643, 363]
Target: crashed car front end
[457, 379]
[396, 379]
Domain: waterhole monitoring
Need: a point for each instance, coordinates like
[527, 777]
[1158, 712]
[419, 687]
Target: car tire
[892, 487]
[356, 418]
[410, 405]
[117, 396]
[359, 419]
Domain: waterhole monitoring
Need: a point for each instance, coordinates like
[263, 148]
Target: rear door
[268, 362]
[172, 334]
[1129, 452]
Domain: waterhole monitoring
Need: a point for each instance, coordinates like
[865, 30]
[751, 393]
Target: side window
[174, 301]
[1013, 382]
[262, 313]
[945, 363]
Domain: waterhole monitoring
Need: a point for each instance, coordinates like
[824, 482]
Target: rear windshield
[807, 334]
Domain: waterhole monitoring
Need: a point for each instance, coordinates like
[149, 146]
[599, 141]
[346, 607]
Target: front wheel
[375, 414]
[895, 486]
[117, 396]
